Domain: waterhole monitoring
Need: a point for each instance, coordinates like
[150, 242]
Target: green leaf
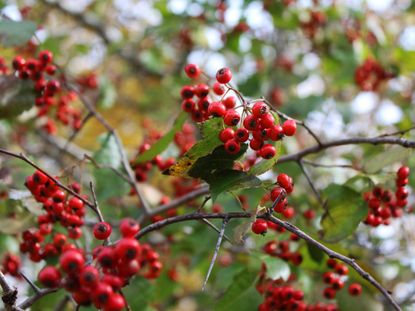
[159, 146]
[210, 140]
[14, 33]
[107, 93]
[228, 180]
[346, 209]
[108, 183]
[17, 98]
[315, 253]
[242, 284]
[276, 268]
[139, 293]
[385, 158]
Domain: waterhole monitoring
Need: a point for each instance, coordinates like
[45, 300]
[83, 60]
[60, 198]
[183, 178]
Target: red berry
[250, 123]
[102, 230]
[127, 249]
[329, 293]
[267, 120]
[58, 196]
[202, 90]
[337, 284]
[289, 127]
[403, 172]
[355, 289]
[259, 109]
[224, 75]
[45, 56]
[50, 70]
[229, 102]
[241, 135]
[267, 151]
[288, 212]
[129, 227]
[218, 89]
[285, 181]
[187, 91]
[49, 276]
[18, 62]
[341, 269]
[232, 146]
[256, 144]
[216, 109]
[75, 203]
[226, 134]
[231, 118]
[107, 257]
[116, 302]
[192, 70]
[101, 294]
[260, 226]
[71, 261]
[328, 277]
[203, 104]
[89, 276]
[401, 193]
[309, 214]
[188, 105]
[331, 263]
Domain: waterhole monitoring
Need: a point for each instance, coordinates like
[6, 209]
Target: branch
[349, 261]
[76, 132]
[9, 295]
[31, 300]
[22, 157]
[314, 164]
[312, 186]
[168, 221]
[215, 254]
[347, 141]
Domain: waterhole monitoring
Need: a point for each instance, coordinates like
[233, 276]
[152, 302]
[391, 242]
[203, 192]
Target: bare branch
[312, 186]
[31, 300]
[9, 295]
[215, 254]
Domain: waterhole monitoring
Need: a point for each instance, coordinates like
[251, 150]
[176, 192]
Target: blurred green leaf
[16, 98]
[346, 209]
[107, 93]
[276, 268]
[385, 158]
[14, 33]
[159, 146]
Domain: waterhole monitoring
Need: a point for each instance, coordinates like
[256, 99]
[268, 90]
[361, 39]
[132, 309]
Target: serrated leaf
[228, 180]
[17, 98]
[346, 209]
[107, 93]
[241, 284]
[276, 268]
[387, 157]
[210, 140]
[13, 33]
[159, 146]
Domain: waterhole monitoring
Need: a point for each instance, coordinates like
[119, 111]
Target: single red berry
[107, 257]
[202, 90]
[192, 70]
[259, 226]
[45, 56]
[203, 104]
[337, 284]
[58, 196]
[102, 230]
[288, 212]
[188, 105]
[129, 227]
[89, 276]
[229, 102]
[71, 261]
[289, 127]
[224, 75]
[285, 181]
[403, 172]
[116, 302]
[40, 178]
[231, 117]
[256, 144]
[50, 69]
[232, 146]
[328, 277]
[226, 134]
[218, 89]
[75, 203]
[18, 62]
[309, 214]
[187, 91]
[259, 109]
[127, 249]
[278, 193]
[49, 276]
[267, 151]
[216, 109]
[401, 193]
[82, 298]
[331, 263]
[241, 135]
[101, 294]
[341, 269]
[250, 123]
[355, 289]
[267, 120]
[329, 293]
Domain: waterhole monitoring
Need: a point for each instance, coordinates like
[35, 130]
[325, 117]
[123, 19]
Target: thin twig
[312, 186]
[31, 284]
[76, 132]
[31, 300]
[215, 254]
[314, 164]
[96, 206]
[216, 229]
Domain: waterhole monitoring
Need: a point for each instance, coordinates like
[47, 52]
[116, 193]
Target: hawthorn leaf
[385, 158]
[346, 209]
[17, 98]
[159, 146]
[14, 33]
[276, 268]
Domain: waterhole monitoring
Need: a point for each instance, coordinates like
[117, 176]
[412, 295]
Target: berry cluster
[280, 295]
[336, 280]
[383, 204]
[283, 248]
[60, 208]
[316, 20]
[11, 265]
[370, 75]
[256, 124]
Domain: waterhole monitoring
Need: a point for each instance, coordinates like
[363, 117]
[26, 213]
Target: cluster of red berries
[280, 295]
[11, 265]
[41, 70]
[336, 280]
[384, 204]
[370, 75]
[256, 124]
[283, 248]
[87, 81]
[60, 208]
[316, 20]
